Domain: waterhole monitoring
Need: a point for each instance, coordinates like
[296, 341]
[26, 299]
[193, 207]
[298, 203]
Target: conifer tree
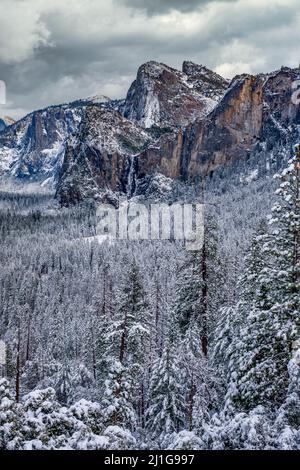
[201, 386]
[166, 410]
[198, 293]
[117, 403]
[11, 419]
[127, 345]
[271, 323]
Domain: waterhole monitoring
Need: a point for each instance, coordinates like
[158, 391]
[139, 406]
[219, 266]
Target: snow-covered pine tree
[94, 344]
[199, 378]
[49, 426]
[166, 410]
[117, 402]
[198, 293]
[263, 346]
[64, 384]
[11, 419]
[192, 358]
[127, 346]
[255, 261]
[188, 305]
[287, 424]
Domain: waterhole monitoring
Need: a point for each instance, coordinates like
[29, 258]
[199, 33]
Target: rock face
[173, 124]
[205, 81]
[33, 148]
[100, 157]
[5, 122]
[256, 116]
[167, 98]
[106, 152]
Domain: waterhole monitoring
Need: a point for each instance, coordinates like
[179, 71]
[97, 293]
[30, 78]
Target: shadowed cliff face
[5, 122]
[32, 147]
[255, 113]
[231, 130]
[97, 158]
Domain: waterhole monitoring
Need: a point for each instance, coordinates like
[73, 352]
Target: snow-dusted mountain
[32, 148]
[185, 124]
[161, 98]
[5, 122]
[98, 158]
[204, 80]
[254, 125]
[164, 97]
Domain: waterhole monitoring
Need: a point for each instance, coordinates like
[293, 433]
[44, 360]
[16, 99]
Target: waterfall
[131, 176]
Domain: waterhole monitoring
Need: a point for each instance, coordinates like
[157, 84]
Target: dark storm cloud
[156, 7]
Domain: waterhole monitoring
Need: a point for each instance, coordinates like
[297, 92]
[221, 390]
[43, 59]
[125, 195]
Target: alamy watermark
[296, 92]
[2, 92]
[183, 222]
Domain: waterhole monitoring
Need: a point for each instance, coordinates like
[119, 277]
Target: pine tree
[117, 406]
[189, 304]
[263, 346]
[166, 411]
[64, 386]
[192, 360]
[11, 419]
[287, 424]
[200, 383]
[127, 345]
[198, 294]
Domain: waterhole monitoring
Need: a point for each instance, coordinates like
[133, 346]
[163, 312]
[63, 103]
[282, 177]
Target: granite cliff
[187, 125]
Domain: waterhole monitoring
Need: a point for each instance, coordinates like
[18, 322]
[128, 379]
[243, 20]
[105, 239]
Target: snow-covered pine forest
[145, 345]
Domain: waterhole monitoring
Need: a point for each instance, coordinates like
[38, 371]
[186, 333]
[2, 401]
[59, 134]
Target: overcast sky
[54, 51]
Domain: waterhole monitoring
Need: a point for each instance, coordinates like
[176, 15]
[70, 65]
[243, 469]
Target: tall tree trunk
[18, 367]
[123, 340]
[204, 333]
[296, 232]
[191, 405]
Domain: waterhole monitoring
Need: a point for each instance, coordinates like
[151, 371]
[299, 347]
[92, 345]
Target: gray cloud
[155, 7]
[52, 52]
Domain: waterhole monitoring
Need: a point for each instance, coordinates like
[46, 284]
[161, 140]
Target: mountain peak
[204, 80]
[97, 99]
[5, 122]
[166, 97]
[155, 69]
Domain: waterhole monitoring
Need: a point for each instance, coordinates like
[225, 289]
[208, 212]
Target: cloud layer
[156, 7]
[52, 52]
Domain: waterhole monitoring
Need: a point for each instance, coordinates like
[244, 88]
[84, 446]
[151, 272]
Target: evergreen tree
[166, 410]
[127, 346]
[117, 403]
[263, 346]
[11, 419]
[287, 424]
[198, 293]
[64, 385]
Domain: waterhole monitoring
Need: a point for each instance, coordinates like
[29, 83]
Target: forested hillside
[134, 345]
